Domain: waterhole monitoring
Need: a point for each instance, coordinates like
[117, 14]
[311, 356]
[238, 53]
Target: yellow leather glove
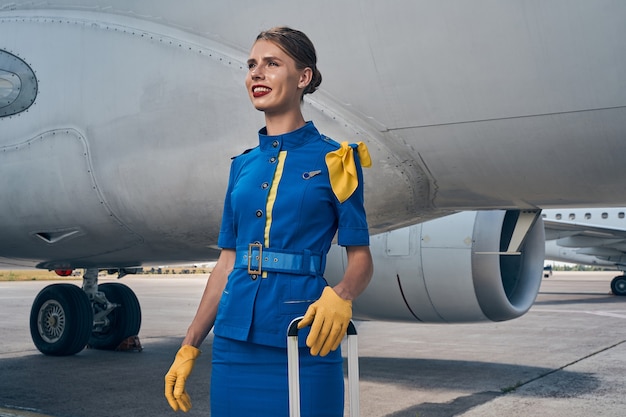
[175, 378]
[330, 316]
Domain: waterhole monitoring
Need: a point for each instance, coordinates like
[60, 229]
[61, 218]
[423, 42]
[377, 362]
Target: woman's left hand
[329, 317]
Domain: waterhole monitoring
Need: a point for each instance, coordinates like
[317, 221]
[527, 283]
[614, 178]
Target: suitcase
[294, 369]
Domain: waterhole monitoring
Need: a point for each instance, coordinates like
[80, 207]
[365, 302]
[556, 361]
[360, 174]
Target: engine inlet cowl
[454, 269]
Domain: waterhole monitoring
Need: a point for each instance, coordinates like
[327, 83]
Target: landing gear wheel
[61, 320]
[124, 321]
[618, 285]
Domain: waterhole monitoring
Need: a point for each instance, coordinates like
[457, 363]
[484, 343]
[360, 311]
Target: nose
[256, 73]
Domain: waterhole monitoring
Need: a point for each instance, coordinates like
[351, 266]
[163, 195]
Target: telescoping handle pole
[294, 369]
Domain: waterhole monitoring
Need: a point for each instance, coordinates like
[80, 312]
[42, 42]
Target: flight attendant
[286, 199]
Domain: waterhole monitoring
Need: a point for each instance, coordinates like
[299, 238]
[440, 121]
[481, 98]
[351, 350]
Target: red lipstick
[259, 90]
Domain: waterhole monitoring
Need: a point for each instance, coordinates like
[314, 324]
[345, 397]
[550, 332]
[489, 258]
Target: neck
[283, 123]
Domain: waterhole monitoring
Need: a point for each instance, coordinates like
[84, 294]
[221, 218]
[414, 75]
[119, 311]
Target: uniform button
[272, 159]
[259, 213]
[253, 277]
[265, 185]
[275, 144]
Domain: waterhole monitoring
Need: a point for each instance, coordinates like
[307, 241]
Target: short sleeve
[228, 238]
[352, 229]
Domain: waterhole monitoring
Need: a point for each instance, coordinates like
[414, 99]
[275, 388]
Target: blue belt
[257, 259]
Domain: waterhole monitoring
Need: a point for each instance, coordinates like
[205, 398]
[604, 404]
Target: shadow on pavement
[97, 383]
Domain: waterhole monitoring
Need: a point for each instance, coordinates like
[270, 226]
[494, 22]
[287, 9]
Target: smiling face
[274, 84]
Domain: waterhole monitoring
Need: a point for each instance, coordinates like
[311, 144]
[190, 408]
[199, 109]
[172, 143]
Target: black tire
[618, 285]
[61, 320]
[124, 321]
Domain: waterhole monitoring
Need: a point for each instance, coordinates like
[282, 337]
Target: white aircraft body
[118, 122]
[588, 236]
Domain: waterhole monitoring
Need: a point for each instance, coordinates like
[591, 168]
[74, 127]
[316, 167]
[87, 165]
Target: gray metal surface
[464, 105]
[563, 358]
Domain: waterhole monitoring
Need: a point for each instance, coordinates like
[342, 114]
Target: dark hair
[299, 47]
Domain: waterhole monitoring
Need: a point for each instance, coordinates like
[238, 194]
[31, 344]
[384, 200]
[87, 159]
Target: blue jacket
[279, 195]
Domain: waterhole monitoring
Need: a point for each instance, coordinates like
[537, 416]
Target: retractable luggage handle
[294, 369]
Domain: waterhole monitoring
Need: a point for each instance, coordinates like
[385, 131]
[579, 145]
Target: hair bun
[316, 80]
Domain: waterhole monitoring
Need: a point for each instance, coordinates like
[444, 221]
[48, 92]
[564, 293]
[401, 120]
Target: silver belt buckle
[251, 246]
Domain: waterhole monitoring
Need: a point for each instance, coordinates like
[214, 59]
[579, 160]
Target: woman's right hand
[176, 377]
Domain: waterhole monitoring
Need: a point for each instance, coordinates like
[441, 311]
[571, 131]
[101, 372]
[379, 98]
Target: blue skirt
[251, 380]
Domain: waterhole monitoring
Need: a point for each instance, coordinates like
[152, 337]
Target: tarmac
[565, 357]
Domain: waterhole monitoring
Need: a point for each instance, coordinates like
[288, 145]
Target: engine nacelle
[452, 269]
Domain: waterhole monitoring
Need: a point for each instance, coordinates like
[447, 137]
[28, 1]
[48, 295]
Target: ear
[305, 78]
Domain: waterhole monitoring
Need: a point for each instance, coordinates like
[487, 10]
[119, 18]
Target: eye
[251, 65]
[272, 64]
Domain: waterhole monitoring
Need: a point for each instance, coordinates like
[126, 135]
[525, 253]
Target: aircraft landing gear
[618, 285]
[117, 316]
[65, 318]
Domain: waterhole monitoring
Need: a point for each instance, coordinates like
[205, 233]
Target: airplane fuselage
[122, 158]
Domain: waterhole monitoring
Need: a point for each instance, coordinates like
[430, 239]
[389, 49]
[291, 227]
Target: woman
[285, 201]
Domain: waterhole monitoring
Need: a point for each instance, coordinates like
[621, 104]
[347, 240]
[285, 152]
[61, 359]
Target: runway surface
[564, 358]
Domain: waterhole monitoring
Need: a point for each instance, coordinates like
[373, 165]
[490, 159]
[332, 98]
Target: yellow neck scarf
[342, 169]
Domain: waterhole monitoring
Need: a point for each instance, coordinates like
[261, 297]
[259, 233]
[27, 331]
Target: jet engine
[467, 267]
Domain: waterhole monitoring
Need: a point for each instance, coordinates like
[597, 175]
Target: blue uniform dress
[280, 198]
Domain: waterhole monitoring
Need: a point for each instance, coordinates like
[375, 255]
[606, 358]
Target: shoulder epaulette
[243, 153]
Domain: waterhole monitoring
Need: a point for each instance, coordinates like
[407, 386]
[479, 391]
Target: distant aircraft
[588, 236]
[118, 122]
